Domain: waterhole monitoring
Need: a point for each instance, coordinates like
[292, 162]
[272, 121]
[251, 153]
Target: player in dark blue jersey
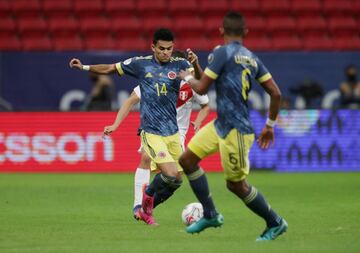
[159, 86]
[234, 69]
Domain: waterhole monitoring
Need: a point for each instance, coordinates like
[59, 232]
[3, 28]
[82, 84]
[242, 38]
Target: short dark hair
[163, 34]
[234, 24]
[178, 53]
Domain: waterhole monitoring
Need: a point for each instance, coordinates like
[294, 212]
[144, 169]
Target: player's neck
[231, 39]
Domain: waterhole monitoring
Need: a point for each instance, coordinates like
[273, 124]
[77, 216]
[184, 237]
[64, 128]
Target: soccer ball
[192, 213]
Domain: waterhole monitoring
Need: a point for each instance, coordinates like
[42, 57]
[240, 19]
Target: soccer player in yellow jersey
[234, 69]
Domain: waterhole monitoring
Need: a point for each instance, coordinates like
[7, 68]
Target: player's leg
[204, 143]
[234, 150]
[142, 177]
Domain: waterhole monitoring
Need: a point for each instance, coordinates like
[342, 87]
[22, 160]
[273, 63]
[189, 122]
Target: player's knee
[240, 188]
[189, 162]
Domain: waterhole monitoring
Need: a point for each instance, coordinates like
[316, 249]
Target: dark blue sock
[159, 183]
[256, 202]
[199, 185]
[167, 192]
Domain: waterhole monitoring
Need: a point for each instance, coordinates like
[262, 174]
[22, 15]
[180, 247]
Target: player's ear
[221, 30]
[153, 47]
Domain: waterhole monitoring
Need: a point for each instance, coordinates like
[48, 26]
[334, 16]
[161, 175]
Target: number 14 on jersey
[161, 89]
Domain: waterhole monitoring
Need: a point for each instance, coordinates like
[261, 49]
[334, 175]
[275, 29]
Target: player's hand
[76, 63]
[192, 57]
[109, 129]
[184, 73]
[196, 126]
[266, 138]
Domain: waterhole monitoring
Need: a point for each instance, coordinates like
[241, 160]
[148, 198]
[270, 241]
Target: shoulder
[137, 59]
[181, 61]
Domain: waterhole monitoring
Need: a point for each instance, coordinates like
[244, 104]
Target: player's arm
[199, 86]
[122, 113]
[203, 113]
[100, 69]
[267, 137]
[194, 60]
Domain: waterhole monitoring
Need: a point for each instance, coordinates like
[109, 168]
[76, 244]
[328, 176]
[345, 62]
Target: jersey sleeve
[216, 61]
[201, 99]
[137, 91]
[263, 73]
[127, 67]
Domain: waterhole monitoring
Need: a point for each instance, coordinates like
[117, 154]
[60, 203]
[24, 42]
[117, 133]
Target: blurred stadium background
[46, 125]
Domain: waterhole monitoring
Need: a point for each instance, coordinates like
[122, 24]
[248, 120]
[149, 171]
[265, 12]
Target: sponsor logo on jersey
[171, 75]
[128, 61]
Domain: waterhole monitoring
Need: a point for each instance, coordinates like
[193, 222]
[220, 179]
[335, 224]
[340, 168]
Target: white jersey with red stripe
[184, 106]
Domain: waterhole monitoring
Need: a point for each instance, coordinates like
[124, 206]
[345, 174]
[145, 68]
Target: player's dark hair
[163, 34]
[234, 24]
[178, 53]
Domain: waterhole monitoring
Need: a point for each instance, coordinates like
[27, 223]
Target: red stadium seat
[88, 9]
[120, 9]
[4, 8]
[99, 43]
[184, 8]
[68, 43]
[281, 26]
[308, 8]
[153, 8]
[7, 25]
[210, 8]
[349, 43]
[275, 8]
[212, 25]
[343, 26]
[316, 23]
[62, 26]
[196, 43]
[287, 43]
[338, 8]
[188, 27]
[318, 43]
[26, 8]
[150, 24]
[249, 8]
[262, 43]
[123, 27]
[32, 26]
[133, 44]
[256, 25]
[9, 43]
[56, 8]
[95, 27]
[41, 43]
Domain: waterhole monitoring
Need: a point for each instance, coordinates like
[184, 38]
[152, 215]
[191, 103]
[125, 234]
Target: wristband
[86, 67]
[188, 78]
[270, 123]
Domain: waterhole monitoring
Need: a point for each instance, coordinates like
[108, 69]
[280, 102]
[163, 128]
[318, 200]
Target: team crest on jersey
[210, 58]
[161, 154]
[171, 75]
[128, 61]
[183, 95]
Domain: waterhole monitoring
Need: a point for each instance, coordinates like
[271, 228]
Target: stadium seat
[54, 8]
[124, 27]
[154, 8]
[275, 8]
[32, 26]
[316, 23]
[150, 24]
[4, 8]
[184, 8]
[88, 9]
[281, 26]
[99, 43]
[249, 8]
[262, 43]
[196, 43]
[68, 43]
[40, 43]
[211, 8]
[26, 8]
[9, 42]
[95, 27]
[336, 8]
[63, 26]
[7, 25]
[120, 9]
[306, 8]
[212, 25]
[188, 27]
[290, 43]
[343, 26]
[256, 25]
[349, 43]
[318, 43]
[133, 44]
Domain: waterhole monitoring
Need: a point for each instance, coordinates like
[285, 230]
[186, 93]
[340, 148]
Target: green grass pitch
[92, 213]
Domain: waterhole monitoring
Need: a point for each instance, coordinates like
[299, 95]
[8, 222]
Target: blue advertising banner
[44, 81]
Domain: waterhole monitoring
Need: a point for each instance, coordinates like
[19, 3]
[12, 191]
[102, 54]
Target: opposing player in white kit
[184, 107]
